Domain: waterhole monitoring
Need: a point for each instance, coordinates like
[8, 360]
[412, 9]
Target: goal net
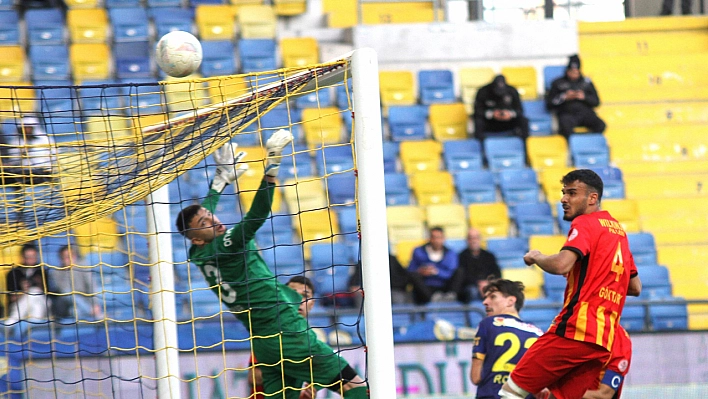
[100, 298]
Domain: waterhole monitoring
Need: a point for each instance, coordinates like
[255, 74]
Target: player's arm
[476, 371]
[560, 263]
[479, 351]
[635, 286]
[228, 169]
[604, 392]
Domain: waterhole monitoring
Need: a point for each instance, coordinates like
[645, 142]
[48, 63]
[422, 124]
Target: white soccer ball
[179, 53]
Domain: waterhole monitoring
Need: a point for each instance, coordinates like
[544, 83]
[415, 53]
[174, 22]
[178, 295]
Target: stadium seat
[547, 244]
[315, 98]
[121, 3]
[476, 186]
[564, 225]
[218, 58]
[299, 51]
[90, 61]
[518, 186]
[289, 7]
[688, 280]
[446, 311]
[589, 150]
[349, 225]
[145, 97]
[322, 126]
[682, 255]
[405, 223]
[492, 220]
[554, 286]
[58, 101]
[551, 182]
[172, 4]
[407, 122]
[471, 79]
[390, 154]
[697, 317]
[541, 317]
[547, 152]
[448, 121]
[508, 251]
[257, 55]
[403, 249]
[451, 217]
[504, 153]
[96, 236]
[643, 248]
[12, 63]
[435, 86]
[625, 211]
[9, 28]
[669, 317]
[523, 79]
[319, 226]
[296, 162]
[302, 195]
[399, 12]
[341, 188]
[419, 156]
[612, 180]
[647, 187]
[462, 155]
[107, 128]
[285, 261]
[81, 3]
[330, 266]
[397, 191]
[45, 26]
[432, 187]
[129, 24]
[173, 18]
[281, 118]
[214, 21]
[655, 282]
[50, 62]
[183, 94]
[534, 219]
[532, 279]
[396, 88]
[551, 73]
[132, 60]
[87, 25]
[539, 118]
[633, 316]
[256, 22]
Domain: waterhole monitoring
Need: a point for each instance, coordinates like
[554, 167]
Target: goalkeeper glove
[274, 150]
[227, 170]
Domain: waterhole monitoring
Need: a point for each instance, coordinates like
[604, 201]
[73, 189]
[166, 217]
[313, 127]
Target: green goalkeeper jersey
[239, 276]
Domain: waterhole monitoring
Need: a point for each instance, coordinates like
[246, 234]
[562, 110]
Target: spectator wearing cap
[498, 111]
[573, 98]
[30, 152]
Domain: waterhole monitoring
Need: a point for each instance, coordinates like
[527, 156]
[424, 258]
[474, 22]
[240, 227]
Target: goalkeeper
[288, 352]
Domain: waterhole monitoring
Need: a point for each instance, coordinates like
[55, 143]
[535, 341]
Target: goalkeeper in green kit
[288, 352]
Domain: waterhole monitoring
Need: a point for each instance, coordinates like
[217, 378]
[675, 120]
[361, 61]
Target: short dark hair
[587, 176]
[507, 288]
[303, 280]
[64, 248]
[437, 228]
[185, 217]
[27, 247]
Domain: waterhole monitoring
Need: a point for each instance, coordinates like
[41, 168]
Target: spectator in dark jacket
[401, 279]
[498, 111]
[436, 263]
[475, 266]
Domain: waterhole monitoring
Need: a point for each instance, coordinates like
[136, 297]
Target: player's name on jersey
[612, 226]
[610, 295]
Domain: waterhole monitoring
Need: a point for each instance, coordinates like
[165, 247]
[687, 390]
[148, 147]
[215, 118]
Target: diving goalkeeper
[288, 352]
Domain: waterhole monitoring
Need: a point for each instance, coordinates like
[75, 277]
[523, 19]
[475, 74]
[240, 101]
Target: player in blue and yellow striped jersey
[502, 337]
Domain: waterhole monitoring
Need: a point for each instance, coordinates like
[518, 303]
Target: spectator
[28, 270]
[667, 7]
[573, 97]
[30, 152]
[72, 288]
[29, 304]
[435, 263]
[498, 111]
[400, 280]
[475, 267]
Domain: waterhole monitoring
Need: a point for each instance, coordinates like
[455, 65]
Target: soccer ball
[179, 53]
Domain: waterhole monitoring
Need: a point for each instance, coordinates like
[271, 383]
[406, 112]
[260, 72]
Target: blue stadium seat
[282, 118]
[267, 240]
[58, 101]
[436, 86]
[122, 3]
[132, 60]
[407, 122]
[195, 3]
[315, 99]
[462, 155]
[45, 26]
[589, 150]
[341, 188]
[49, 62]
[331, 279]
[257, 55]
[518, 186]
[508, 251]
[401, 319]
[129, 24]
[458, 318]
[390, 154]
[218, 58]
[325, 255]
[143, 94]
[612, 180]
[348, 222]
[397, 190]
[285, 261]
[173, 18]
[300, 163]
[504, 153]
[334, 159]
[669, 316]
[9, 27]
[539, 118]
[534, 218]
[551, 73]
[540, 317]
[554, 286]
[96, 97]
[643, 248]
[164, 3]
[343, 94]
[633, 316]
[655, 282]
[476, 186]
[564, 225]
[7, 4]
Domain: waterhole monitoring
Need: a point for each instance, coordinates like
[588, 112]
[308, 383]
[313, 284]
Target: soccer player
[502, 337]
[289, 351]
[612, 378]
[598, 264]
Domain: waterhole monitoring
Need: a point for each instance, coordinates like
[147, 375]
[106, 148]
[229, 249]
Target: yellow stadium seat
[256, 22]
[107, 129]
[314, 227]
[640, 187]
[226, 88]
[633, 169]
[550, 179]
[97, 235]
[290, 7]
[683, 255]
[17, 99]
[531, 277]
[404, 250]
[405, 223]
[659, 143]
[433, 187]
[689, 281]
[680, 237]
[451, 217]
[419, 156]
[185, 94]
[492, 220]
[82, 3]
[255, 158]
[625, 211]
[304, 195]
[12, 63]
[698, 317]
[247, 189]
[677, 214]
[299, 51]
[9, 256]
[471, 79]
[547, 152]
[397, 12]
[523, 79]
[548, 245]
[214, 21]
[341, 13]
[90, 61]
[664, 113]
[236, 5]
[87, 25]
[322, 126]
[396, 88]
[448, 121]
[144, 122]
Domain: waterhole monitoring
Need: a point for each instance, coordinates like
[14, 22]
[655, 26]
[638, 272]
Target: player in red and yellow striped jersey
[598, 265]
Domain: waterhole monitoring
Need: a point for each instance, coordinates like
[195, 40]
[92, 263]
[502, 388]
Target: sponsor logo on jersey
[519, 325]
[573, 234]
[622, 366]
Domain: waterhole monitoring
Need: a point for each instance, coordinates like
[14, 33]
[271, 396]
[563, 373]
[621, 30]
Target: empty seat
[399, 12]
[547, 151]
[407, 122]
[418, 156]
[471, 79]
[551, 73]
[299, 51]
[316, 226]
[551, 244]
[541, 317]
[45, 26]
[129, 24]
[183, 95]
[314, 98]
[504, 153]
[669, 317]
[87, 25]
[532, 279]
[296, 162]
[81, 3]
[655, 281]
[285, 261]
[405, 223]
[518, 185]
[508, 250]
[589, 150]
[164, 4]
[646, 187]
[90, 61]
[9, 27]
[390, 154]
[122, 3]
[432, 187]
[523, 79]
[144, 97]
[451, 217]
[330, 268]
[539, 117]
[257, 54]
[435, 86]
[218, 58]
[322, 126]
[551, 182]
[396, 88]
[290, 7]
[554, 286]
[633, 316]
[625, 211]
[304, 195]
[397, 191]
[256, 22]
[334, 159]
[534, 219]
[612, 180]
[448, 121]
[462, 155]
[476, 186]
[214, 21]
[492, 220]
[132, 60]
[341, 188]
[562, 223]
[49, 62]
[171, 19]
[643, 248]
[96, 236]
[12, 63]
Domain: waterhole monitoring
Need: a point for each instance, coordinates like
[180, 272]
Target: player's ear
[197, 241]
[592, 199]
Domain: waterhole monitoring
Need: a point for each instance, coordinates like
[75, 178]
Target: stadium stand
[471, 79]
[396, 88]
[214, 21]
[492, 220]
[407, 122]
[451, 217]
[44, 26]
[448, 121]
[462, 155]
[419, 156]
[257, 54]
[256, 21]
[87, 25]
[435, 86]
[299, 51]
[523, 79]
[547, 152]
